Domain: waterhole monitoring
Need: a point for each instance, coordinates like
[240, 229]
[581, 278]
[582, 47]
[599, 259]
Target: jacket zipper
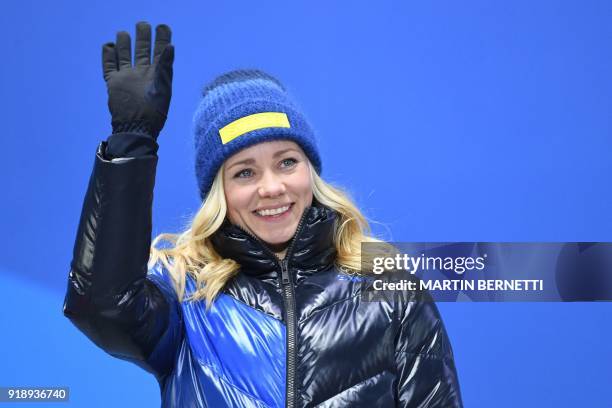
[289, 300]
[289, 303]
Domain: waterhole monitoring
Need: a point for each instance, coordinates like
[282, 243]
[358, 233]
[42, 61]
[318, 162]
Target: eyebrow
[252, 161]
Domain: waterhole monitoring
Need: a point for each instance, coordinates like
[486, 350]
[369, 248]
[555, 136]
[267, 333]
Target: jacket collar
[312, 248]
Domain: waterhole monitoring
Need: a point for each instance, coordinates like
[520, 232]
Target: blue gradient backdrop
[448, 121]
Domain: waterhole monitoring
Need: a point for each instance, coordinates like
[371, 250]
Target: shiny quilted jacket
[294, 333]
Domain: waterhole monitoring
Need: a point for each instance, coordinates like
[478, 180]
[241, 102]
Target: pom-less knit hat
[242, 108]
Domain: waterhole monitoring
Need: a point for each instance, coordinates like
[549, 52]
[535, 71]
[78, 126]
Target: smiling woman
[251, 305]
[268, 186]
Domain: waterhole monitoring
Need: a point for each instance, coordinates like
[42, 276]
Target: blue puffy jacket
[294, 333]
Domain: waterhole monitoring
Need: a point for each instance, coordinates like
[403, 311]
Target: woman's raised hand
[139, 93]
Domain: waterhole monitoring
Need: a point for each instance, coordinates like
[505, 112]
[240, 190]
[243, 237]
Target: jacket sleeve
[109, 297]
[424, 358]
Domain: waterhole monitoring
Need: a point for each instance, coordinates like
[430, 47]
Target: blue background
[448, 121]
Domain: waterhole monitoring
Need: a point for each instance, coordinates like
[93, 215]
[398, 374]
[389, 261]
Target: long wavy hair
[191, 252]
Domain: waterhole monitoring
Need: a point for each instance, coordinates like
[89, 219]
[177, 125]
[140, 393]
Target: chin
[275, 239]
[281, 236]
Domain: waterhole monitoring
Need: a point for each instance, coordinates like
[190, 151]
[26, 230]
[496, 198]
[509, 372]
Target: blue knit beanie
[242, 108]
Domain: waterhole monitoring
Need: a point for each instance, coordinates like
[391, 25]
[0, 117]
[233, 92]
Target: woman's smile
[273, 213]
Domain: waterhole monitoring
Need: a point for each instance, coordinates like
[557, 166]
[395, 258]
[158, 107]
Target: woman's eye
[244, 173]
[288, 162]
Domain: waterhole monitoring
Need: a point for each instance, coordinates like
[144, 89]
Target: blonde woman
[258, 303]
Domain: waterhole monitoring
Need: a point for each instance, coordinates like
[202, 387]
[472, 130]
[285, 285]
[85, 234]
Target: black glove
[139, 95]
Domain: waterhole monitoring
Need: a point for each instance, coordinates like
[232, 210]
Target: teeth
[275, 211]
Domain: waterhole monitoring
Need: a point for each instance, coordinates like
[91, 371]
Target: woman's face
[267, 187]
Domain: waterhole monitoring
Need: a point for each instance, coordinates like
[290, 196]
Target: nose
[271, 185]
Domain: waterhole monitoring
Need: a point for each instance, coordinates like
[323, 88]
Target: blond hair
[192, 251]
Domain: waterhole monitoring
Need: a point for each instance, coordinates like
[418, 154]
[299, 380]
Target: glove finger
[109, 59]
[143, 44]
[163, 36]
[167, 58]
[124, 50]
[163, 69]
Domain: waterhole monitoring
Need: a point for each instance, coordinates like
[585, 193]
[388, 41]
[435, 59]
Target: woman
[258, 303]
